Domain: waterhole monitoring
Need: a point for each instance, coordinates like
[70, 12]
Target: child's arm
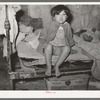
[20, 37]
[43, 37]
[70, 36]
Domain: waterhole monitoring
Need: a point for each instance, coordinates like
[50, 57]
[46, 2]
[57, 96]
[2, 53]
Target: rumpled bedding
[92, 50]
[27, 51]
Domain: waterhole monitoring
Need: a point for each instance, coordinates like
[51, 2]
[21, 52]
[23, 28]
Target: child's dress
[59, 40]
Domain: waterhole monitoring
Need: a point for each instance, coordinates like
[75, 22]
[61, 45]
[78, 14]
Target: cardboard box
[71, 82]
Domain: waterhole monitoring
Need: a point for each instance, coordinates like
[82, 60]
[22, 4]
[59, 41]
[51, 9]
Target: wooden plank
[41, 61]
[65, 69]
[23, 75]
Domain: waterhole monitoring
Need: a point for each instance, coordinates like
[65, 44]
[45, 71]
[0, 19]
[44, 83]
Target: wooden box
[71, 82]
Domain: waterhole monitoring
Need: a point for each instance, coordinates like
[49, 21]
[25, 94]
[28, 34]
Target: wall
[84, 16]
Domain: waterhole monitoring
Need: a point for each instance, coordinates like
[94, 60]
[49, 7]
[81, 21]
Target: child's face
[61, 17]
[25, 29]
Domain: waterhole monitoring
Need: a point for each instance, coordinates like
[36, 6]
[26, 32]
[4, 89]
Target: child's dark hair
[57, 9]
[27, 20]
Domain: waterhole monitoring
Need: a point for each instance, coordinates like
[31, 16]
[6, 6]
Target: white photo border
[50, 94]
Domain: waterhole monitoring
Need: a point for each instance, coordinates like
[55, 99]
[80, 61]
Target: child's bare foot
[48, 72]
[58, 73]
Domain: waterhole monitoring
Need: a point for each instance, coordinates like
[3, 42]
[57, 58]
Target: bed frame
[17, 75]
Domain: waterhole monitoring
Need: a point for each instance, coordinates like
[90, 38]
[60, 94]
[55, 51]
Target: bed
[33, 62]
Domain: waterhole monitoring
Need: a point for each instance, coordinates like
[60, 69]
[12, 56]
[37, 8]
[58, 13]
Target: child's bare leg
[48, 57]
[64, 54]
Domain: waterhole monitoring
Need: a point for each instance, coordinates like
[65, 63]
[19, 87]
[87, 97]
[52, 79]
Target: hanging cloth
[12, 9]
[12, 20]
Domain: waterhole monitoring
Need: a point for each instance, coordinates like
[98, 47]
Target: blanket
[92, 50]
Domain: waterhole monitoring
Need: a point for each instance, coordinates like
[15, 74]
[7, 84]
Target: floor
[35, 84]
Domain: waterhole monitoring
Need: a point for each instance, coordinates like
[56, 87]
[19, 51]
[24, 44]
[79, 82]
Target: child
[27, 40]
[57, 38]
[27, 31]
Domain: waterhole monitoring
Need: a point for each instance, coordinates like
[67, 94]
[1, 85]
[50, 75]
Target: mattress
[28, 53]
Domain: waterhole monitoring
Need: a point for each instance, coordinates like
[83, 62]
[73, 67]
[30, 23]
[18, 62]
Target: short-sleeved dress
[57, 35]
[59, 41]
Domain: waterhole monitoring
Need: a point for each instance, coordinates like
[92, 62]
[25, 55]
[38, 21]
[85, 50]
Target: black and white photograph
[50, 46]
